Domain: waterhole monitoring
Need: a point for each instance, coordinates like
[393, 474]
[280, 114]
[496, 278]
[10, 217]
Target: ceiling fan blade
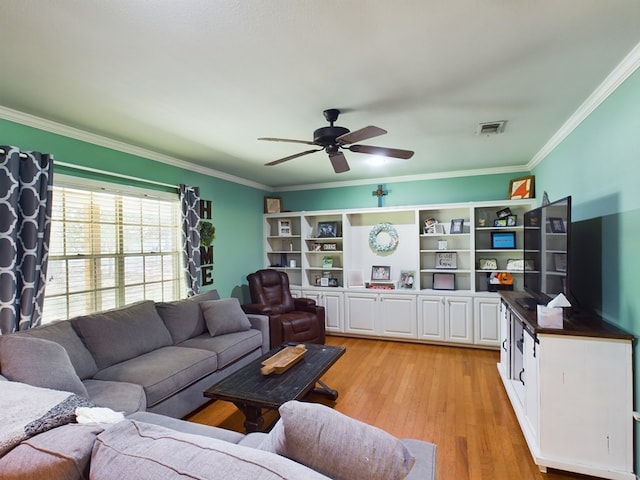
[339, 162]
[385, 152]
[291, 157]
[360, 135]
[271, 139]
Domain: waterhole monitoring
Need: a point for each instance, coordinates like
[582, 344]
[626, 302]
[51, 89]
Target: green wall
[237, 209]
[444, 190]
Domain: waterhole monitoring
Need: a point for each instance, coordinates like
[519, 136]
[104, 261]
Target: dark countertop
[577, 324]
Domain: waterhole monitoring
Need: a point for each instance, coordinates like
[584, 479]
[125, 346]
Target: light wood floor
[449, 396]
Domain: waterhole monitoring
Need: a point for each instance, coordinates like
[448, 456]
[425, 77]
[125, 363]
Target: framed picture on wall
[521, 188]
[272, 204]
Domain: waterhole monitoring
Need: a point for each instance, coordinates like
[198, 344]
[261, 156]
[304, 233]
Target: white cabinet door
[334, 311]
[431, 318]
[361, 311]
[505, 343]
[586, 392]
[332, 303]
[398, 316]
[458, 319]
[531, 389]
[486, 314]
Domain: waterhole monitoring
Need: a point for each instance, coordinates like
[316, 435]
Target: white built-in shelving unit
[328, 257]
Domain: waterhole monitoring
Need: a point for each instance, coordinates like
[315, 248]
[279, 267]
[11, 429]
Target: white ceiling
[201, 80]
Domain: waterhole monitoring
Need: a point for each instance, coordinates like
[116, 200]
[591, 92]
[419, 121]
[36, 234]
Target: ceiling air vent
[491, 128]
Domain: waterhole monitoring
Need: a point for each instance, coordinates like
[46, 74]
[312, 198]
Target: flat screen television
[547, 240]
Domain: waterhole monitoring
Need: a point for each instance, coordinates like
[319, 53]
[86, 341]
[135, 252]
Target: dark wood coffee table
[252, 392]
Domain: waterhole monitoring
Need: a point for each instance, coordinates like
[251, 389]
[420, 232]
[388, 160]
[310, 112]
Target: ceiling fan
[334, 138]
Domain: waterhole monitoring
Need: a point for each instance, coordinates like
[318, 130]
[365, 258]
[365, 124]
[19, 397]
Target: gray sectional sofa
[152, 362]
[157, 357]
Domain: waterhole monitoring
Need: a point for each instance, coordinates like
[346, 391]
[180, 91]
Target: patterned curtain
[25, 220]
[190, 201]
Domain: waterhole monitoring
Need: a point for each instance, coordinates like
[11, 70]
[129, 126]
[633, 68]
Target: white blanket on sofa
[26, 411]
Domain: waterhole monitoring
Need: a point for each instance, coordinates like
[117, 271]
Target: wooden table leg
[253, 420]
[324, 389]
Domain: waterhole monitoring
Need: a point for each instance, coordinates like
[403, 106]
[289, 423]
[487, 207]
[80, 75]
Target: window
[111, 249]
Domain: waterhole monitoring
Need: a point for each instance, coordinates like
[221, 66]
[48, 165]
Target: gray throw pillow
[116, 335]
[337, 446]
[184, 318]
[224, 316]
[40, 363]
[63, 334]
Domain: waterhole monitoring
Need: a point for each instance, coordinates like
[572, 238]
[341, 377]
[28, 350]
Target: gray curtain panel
[26, 180]
[190, 202]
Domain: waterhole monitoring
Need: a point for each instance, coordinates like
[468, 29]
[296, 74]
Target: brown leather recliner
[290, 319]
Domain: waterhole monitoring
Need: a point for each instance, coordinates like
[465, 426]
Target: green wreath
[207, 233]
[388, 247]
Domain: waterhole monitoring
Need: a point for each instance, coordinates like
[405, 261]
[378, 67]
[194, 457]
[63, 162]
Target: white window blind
[111, 249]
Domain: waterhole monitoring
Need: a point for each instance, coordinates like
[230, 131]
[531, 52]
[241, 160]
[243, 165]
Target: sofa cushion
[61, 453]
[224, 316]
[63, 333]
[163, 372]
[229, 347]
[119, 396]
[40, 363]
[184, 318]
[336, 445]
[154, 452]
[117, 335]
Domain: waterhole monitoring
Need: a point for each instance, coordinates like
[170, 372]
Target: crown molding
[77, 134]
[623, 71]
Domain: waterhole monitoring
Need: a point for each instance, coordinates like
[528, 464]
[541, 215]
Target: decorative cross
[379, 192]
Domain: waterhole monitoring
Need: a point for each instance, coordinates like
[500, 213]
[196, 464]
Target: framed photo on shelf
[500, 222]
[356, 279]
[444, 281]
[327, 262]
[327, 229]
[557, 225]
[380, 273]
[430, 226]
[488, 264]
[512, 220]
[316, 247]
[457, 225]
[520, 188]
[446, 260]
[504, 213]
[284, 227]
[407, 279]
[272, 204]
[503, 240]
[515, 264]
[560, 262]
